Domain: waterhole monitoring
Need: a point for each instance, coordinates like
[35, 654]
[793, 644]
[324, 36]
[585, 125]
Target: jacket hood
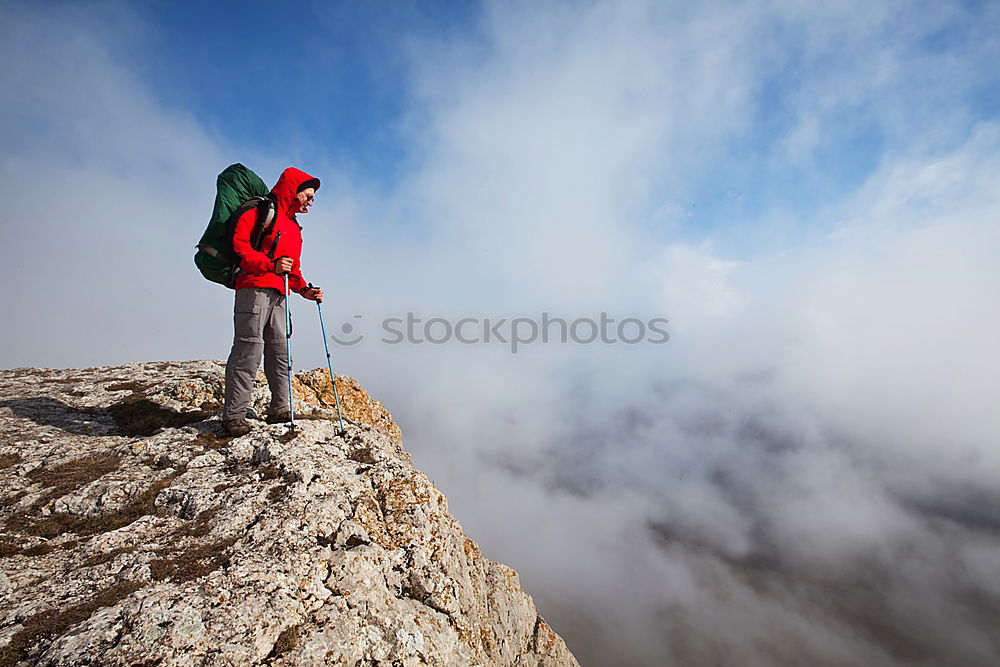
[288, 185]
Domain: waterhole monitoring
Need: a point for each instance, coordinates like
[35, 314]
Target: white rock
[292, 548]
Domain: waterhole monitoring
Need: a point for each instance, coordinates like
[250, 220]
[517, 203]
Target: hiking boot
[278, 416]
[236, 426]
[252, 414]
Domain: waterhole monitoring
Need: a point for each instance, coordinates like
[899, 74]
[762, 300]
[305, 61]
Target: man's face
[306, 199]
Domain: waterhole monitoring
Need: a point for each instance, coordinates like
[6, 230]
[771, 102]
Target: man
[259, 315]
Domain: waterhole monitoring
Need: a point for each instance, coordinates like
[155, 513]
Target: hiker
[259, 314]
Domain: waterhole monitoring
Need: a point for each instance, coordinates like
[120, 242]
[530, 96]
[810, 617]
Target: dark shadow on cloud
[898, 595]
[975, 510]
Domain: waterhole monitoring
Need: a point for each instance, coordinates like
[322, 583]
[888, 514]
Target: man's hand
[282, 265]
[313, 294]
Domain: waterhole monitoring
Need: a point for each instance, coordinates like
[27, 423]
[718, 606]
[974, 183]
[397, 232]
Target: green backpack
[237, 191]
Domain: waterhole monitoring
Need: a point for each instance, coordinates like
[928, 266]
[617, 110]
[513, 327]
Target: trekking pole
[329, 362]
[288, 351]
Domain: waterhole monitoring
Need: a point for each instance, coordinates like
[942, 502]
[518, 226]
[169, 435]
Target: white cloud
[788, 479]
[805, 398]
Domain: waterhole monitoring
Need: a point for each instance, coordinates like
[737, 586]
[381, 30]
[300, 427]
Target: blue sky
[334, 82]
[335, 73]
[807, 191]
[340, 83]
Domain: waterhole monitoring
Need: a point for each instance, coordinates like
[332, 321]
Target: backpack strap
[268, 212]
[274, 246]
[232, 260]
[235, 217]
[225, 257]
[205, 248]
[266, 218]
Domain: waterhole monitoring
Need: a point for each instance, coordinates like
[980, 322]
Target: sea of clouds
[805, 473]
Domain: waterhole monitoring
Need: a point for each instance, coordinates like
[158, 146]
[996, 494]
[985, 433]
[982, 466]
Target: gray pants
[259, 322]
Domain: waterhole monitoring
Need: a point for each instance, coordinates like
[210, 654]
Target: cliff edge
[132, 532]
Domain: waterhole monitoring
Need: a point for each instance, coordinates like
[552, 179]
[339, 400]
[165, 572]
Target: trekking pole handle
[283, 273]
[311, 286]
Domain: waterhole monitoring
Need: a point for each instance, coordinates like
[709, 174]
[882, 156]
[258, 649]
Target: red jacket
[257, 267]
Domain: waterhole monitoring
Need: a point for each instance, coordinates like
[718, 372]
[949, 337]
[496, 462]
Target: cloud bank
[805, 473]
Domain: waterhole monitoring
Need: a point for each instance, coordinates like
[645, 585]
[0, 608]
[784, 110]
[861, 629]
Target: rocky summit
[134, 532]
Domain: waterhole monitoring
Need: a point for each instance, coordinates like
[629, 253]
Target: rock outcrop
[132, 532]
